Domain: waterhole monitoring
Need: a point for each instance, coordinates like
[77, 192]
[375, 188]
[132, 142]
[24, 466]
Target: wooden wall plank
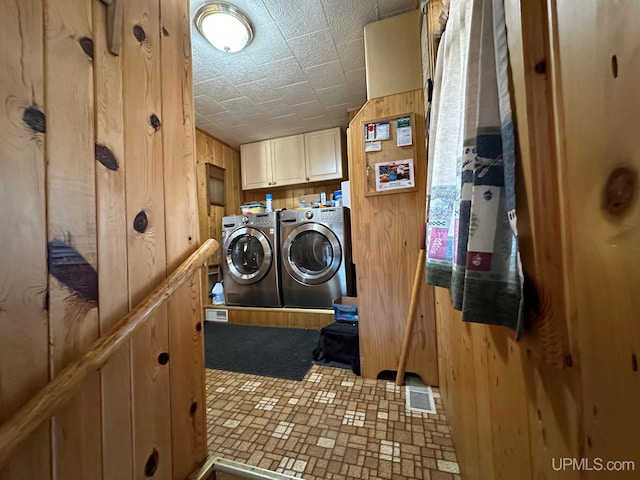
[279, 317]
[235, 185]
[483, 413]
[509, 414]
[143, 120]
[386, 232]
[117, 428]
[186, 348]
[540, 230]
[458, 384]
[600, 176]
[73, 291]
[555, 416]
[23, 236]
[201, 174]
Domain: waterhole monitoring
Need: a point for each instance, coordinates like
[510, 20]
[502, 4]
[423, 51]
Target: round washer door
[248, 255]
[312, 254]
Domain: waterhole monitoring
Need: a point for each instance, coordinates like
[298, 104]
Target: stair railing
[62, 388]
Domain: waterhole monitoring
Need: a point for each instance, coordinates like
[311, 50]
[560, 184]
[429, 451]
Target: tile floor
[331, 425]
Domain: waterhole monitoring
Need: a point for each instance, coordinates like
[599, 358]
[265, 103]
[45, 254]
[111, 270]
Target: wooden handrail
[61, 389]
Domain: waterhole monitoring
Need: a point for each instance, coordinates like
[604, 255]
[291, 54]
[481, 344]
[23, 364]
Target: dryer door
[311, 254]
[248, 255]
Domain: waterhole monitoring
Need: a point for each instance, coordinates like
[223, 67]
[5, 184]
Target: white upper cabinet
[298, 159]
[256, 164]
[287, 160]
[323, 154]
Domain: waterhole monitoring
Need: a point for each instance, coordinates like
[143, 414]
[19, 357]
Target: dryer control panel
[330, 214]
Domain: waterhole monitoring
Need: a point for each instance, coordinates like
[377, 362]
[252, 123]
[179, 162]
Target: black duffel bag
[339, 342]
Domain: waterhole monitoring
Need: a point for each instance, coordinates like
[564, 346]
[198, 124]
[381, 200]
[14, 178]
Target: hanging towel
[472, 232]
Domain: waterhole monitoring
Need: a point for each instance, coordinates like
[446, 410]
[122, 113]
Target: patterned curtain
[472, 237]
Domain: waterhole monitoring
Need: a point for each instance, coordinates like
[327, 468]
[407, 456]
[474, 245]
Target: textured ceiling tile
[359, 98]
[314, 48]
[222, 87]
[284, 121]
[206, 105]
[268, 45]
[352, 54]
[307, 109]
[297, 93]
[338, 112]
[274, 108]
[388, 8]
[295, 130]
[325, 76]
[227, 138]
[239, 69]
[357, 80]
[334, 95]
[240, 105]
[318, 123]
[203, 64]
[347, 19]
[295, 17]
[260, 91]
[283, 72]
[201, 119]
[227, 119]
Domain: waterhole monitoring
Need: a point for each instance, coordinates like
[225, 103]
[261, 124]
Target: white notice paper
[373, 146]
[404, 131]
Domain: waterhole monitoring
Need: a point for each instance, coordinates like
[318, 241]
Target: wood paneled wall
[289, 197]
[387, 232]
[278, 317]
[210, 150]
[98, 200]
[515, 410]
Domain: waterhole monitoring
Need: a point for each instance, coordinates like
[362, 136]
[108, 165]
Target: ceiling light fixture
[226, 27]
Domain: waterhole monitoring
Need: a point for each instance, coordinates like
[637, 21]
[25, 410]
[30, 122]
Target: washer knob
[308, 214]
[245, 220]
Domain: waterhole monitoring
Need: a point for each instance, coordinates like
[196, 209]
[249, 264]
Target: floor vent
[216, 315]
[420, 399]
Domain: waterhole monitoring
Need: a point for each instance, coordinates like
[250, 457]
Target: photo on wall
[394, 175]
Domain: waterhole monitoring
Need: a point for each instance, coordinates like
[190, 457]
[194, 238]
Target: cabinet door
[287, 160]
[256, 164]
[323, 154]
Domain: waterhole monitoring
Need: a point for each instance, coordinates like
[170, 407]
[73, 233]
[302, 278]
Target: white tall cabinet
[297, 159]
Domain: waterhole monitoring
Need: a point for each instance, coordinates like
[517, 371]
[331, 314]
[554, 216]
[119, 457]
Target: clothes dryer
[250, 260]
[315, 256]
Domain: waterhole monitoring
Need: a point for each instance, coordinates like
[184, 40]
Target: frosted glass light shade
[226, 27]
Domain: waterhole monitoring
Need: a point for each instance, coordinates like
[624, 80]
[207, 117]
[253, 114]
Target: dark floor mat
[266, 351]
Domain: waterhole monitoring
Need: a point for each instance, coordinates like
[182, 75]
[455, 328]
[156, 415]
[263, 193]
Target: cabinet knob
[269, 183]
[307, 179]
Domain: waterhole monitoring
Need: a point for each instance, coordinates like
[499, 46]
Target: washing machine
[250, 260]
[315, 256]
